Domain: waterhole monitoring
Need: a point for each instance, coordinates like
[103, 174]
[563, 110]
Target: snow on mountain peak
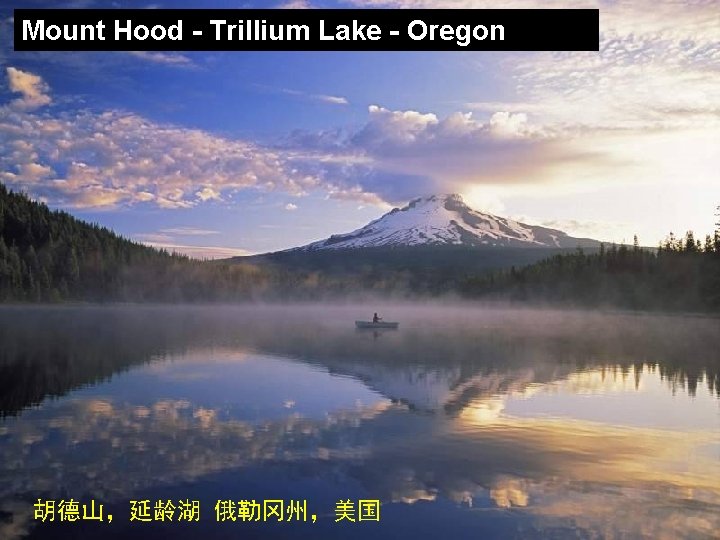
[446, 220]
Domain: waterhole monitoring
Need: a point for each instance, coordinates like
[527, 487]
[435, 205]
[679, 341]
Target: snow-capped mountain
[446, 220]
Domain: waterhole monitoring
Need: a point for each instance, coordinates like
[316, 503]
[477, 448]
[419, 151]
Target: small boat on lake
[379, 324]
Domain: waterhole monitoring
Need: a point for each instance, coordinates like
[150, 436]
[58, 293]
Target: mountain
[445, 220]
[428, 247]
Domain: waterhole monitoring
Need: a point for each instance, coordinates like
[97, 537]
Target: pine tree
[709, 246]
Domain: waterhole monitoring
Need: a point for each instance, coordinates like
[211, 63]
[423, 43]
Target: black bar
[523, 29]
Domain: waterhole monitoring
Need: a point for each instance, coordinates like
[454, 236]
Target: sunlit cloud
[108, 159]
[402, 153]
[33, 90]
[643, 110]
[509, 492]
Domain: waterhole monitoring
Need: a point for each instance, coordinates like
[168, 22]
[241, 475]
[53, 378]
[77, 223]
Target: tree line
[50, 256]
[683, 273]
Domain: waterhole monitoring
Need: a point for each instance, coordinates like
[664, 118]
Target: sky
[221, 154]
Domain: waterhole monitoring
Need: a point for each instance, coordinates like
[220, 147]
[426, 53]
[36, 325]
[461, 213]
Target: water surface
[465, 423]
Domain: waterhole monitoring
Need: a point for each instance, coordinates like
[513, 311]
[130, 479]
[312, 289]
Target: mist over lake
[466, 422]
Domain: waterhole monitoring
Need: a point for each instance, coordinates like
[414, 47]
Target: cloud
[170, 235]
[171, 239]
[168, 59]
[508, 493]
[154, 238]
[108, 159]
[654, 57]
[508, 124]
[337, 100]
[291, 206]
[588, 228]
[200, 252]
[295, 4]
[32, 87]
[325, 98]
[86, 159]
[208, 194]
[394, 127]
[644, 109]
[35, 171]
[189, 231]
[398, 154]
[388, 132]
[376, 184]
[509, 106]
[89, 159]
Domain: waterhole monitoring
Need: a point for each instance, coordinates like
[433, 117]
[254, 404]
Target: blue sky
[223, 153]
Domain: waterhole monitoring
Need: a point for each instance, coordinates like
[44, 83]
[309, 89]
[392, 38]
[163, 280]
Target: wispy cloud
[585, 228]
[200, 252]
[324, 98]
[507, 106]
[189, 231]
[658, 66]
[171, 239]
[295, 4]
[164, 58]
[337, 100]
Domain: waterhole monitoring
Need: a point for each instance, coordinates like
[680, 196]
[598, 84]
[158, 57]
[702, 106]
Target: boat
[380, 324]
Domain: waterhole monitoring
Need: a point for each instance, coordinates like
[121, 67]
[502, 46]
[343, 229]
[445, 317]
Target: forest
[50, 256]
[683, 273]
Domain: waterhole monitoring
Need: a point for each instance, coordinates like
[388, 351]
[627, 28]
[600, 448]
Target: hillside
[433, 270]
[50, 256]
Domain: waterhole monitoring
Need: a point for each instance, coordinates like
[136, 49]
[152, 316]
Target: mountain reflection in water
[467, 422]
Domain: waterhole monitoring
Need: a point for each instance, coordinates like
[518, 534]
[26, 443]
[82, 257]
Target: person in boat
[376, 319]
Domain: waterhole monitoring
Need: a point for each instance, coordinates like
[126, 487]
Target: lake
[466, 422]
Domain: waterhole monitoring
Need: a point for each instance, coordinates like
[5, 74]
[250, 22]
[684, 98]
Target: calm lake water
[464, 423]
